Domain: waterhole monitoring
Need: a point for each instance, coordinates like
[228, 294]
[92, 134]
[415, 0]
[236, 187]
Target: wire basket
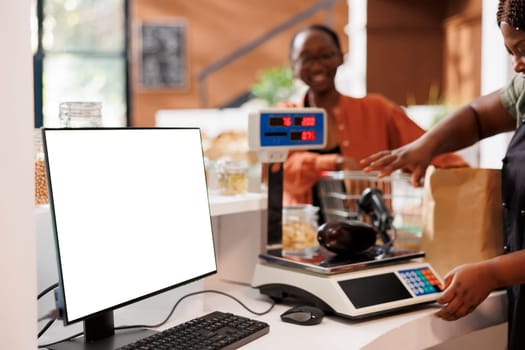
[340, 192]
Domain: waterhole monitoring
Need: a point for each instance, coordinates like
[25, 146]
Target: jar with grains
[232, 176]
[41, 194]
[79, 114]
[299, 230]
[75, 114]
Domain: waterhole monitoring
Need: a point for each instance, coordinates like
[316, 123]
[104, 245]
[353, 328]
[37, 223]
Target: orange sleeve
[301, 172]
[449, 160]
[402, 129]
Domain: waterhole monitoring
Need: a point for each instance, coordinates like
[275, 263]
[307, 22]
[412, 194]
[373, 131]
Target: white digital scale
[368, 284]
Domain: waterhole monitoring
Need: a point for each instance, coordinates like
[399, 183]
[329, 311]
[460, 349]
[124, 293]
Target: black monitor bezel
[106, 313]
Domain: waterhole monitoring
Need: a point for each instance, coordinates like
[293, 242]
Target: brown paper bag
[462, 216]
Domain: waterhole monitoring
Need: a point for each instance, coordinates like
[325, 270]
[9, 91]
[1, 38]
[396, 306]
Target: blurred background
[139, 57]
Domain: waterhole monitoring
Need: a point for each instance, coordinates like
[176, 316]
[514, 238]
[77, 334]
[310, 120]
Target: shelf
[219, 205]
[224, 205]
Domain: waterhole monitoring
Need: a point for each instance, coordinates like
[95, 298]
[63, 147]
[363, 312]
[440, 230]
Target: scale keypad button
[421, 281]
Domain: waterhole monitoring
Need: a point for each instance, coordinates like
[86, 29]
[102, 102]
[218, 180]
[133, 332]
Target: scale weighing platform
[367, 284]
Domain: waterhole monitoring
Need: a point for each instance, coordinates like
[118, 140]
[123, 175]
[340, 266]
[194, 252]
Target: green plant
[275, 84]
[433, 110]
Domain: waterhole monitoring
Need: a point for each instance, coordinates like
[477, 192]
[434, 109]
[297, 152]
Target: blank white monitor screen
[131, 214]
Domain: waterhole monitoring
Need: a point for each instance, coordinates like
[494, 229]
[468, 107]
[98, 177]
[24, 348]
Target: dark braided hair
[322, 28]
[512, 12]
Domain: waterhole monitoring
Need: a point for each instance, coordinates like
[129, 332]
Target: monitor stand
[99, 334]
[111, 343]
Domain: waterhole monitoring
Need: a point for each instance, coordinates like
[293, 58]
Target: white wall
[18, 327]
[496, 71]
[351, 76]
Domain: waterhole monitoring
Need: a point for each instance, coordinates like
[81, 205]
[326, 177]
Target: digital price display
[281, 121]
[273, 132]
[305, 121]
[291, 128]
[297, 121]
[302, 135]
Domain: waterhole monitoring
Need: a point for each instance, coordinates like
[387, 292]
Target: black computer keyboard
[217, 330]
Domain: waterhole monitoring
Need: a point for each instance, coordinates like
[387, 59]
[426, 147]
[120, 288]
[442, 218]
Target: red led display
[302, 136]
[305, 121]
[308, 136]
[281, 121]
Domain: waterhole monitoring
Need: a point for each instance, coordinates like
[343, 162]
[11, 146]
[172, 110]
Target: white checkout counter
[238, 224]
[485, 328]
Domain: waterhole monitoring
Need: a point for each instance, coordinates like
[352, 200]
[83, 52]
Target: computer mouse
[303, 315]
[346, 237]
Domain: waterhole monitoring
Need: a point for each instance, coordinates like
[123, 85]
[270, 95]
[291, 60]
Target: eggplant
[346, 237]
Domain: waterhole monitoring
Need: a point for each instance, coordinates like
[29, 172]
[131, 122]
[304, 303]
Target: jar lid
[232, 165]
[79, 107]
[302, 207]
[80, 114]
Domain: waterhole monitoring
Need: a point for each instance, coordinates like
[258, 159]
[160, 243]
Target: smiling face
[514, 40]
[315, 58]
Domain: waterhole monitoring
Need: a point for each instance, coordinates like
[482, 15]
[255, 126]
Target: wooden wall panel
[462, 52]
[214, 29]
[413, 46]
[405, 49]
[421, 52]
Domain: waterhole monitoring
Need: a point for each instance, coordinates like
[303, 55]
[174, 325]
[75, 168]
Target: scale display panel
[368, 291]
[402, 284]
[272, 132]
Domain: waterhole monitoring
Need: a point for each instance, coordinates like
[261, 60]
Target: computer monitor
[131, 219]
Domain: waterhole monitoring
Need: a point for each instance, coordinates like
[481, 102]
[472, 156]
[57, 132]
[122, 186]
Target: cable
[53, 314]
[61, 340]
[47, 290]
[195, 293]
[47, 325]
[167, 318]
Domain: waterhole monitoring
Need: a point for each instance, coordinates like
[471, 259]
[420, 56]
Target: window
[80, 54]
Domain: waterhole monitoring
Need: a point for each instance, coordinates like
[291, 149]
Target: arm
[482, 118]
[301, 172]
[468, 285]
[405, 130]
[301, 169]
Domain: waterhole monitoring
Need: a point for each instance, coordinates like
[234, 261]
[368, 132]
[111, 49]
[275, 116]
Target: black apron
[513, 195]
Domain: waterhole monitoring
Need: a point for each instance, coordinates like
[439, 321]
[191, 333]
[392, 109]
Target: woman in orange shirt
[356, 127]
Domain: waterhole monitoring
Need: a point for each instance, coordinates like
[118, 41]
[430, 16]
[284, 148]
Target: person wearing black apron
[466, 286]
[513, 196]
[513, 203]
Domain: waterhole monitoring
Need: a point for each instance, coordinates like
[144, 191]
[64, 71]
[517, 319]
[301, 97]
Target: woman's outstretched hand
[410, 158]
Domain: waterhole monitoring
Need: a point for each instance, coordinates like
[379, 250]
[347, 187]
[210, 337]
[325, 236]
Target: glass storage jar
[41, 194]
[79, 114]
[299, 230]
[232, 176]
